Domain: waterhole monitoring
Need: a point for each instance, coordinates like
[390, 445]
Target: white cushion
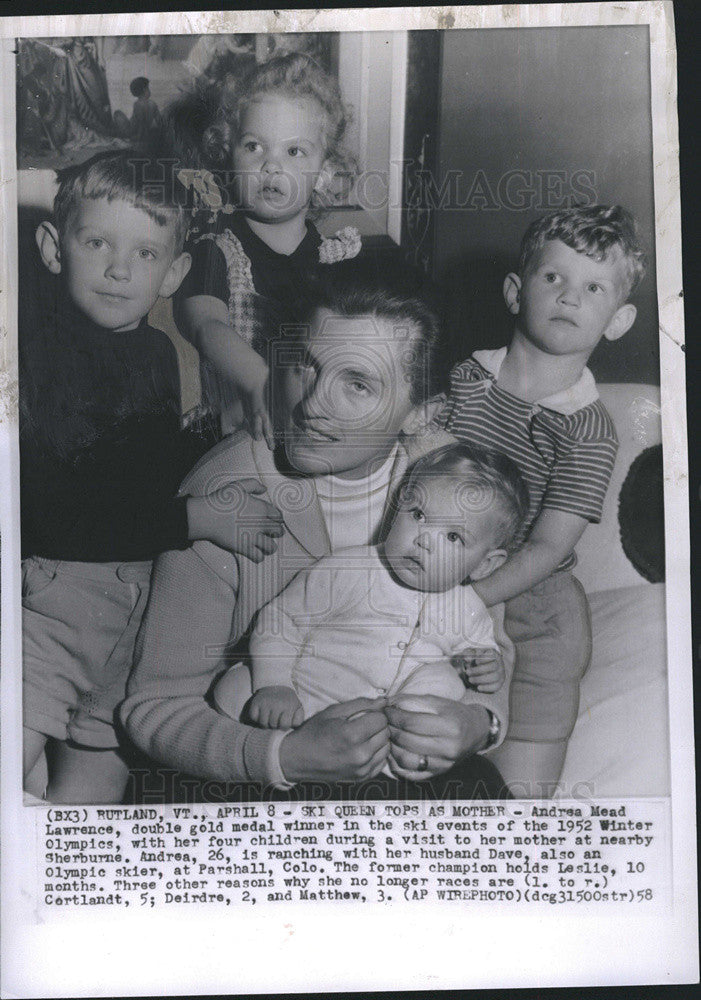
[601, 562]
[620, 744]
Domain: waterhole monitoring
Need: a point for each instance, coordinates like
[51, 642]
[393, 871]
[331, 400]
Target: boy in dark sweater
[102, 453]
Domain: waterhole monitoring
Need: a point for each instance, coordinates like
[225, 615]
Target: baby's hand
[276, 708]
[482, 669]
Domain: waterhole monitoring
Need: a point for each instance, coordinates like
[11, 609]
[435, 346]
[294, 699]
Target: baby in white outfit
[392, 619]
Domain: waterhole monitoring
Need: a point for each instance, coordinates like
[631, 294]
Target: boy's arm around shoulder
[552, 539]
[232, 459]
[586, 443]
[227, 501]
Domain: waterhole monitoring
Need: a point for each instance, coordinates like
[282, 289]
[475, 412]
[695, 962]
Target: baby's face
[115, 259]
[567, 300]
[278, 156]
[441, 533]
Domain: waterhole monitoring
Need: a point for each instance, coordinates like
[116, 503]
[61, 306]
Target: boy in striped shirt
[537, 402]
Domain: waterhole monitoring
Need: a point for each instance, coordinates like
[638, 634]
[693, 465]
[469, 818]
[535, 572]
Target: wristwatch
[494, 730]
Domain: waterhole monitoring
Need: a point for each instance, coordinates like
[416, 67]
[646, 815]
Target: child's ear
[493, 560]
[175, 275]
[47, 240]
[422, 415]
[622, 321]
[512, 293]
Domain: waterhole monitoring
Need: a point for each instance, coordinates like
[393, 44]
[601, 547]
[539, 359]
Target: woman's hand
[435, 732]
[235, 517]
[347, 742]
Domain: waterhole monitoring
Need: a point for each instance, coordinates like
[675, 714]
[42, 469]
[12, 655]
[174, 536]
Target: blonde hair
[296, 76]
[489, 480]
[139, 178]
[599, 231]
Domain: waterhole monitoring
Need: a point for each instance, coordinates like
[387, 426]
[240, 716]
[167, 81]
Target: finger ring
[423, 764]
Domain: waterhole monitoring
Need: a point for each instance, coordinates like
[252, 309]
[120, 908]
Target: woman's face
[344, 394]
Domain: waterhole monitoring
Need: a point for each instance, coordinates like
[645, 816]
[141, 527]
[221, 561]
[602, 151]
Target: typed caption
[256, 854]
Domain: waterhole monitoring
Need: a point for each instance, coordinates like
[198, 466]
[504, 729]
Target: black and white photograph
[345, 464]
[586, 686]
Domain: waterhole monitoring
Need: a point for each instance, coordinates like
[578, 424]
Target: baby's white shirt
[345, 629]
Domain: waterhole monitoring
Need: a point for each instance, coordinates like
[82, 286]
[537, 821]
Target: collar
[297, 497]
[253, 244]
[337, 489]
[567, 401]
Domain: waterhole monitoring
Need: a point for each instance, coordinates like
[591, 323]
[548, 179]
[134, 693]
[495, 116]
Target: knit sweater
[102, 450]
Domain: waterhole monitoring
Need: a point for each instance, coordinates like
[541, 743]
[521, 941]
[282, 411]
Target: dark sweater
[102, 452]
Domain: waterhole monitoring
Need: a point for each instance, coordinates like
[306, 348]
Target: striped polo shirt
[565, 444]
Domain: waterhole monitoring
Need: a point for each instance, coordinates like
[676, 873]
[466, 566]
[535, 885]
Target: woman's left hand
[429, 734]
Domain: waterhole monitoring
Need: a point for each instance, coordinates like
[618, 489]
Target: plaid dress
[260, 287]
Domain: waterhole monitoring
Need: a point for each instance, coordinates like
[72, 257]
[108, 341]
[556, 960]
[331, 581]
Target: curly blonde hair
[594, 230]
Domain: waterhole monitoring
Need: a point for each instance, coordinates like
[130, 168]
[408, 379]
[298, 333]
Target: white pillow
[620, 744]
[635, 410]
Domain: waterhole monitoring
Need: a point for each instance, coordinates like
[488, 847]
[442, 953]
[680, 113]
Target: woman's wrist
[288, 759]
[278, 776]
